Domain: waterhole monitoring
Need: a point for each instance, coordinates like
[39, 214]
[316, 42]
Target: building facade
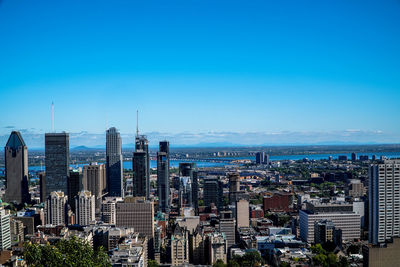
[114, 166]
[85, 208]
[94, 180]
[16, 169]
[163, 177]
[57, 162]
[56, 208]
[5, 233]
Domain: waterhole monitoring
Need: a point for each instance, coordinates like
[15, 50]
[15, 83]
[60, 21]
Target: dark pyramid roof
[15, 140]
[177, 230]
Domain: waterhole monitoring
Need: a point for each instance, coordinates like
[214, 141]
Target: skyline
[281, 74]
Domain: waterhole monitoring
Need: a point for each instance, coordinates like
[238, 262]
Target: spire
[52, 117]
[137, 123]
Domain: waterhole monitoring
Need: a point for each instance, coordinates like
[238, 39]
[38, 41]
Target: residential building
[56, 208]
[179, 246]
[5, 234]
[217, 248]
[85, 208]
[94, 180]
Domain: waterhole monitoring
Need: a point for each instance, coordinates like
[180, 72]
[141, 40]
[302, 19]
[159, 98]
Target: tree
[71, 253]
[233, 263]
[284, 264]
[320, 260]
[219, 263]
[152, 263]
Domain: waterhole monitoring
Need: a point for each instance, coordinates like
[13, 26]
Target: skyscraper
[5, 234]
[234, 186]
[94, 180]
[74, 186]
[163, 176]
[85, 208]
[141, 167]
[57, 162]
[242, 213]
[384, 201]
[16, 163]
[114, 163]
[212, 192]
[190, 169]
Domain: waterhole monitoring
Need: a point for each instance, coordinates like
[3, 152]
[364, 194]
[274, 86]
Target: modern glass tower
[190, 169]
[163, 177]
[114, 163]
[57, 162]
[141, 168]
[16, 163]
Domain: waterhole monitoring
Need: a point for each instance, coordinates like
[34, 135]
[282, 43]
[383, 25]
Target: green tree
[284, 264]
[233, 263]
[152, 263]
[70, 253]
[320, 260]
[219, 263]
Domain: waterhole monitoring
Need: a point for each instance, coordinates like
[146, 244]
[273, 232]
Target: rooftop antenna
[52, 117]
[106, 123]
[137, 122]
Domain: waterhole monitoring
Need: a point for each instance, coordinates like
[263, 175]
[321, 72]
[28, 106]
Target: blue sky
[270, 67]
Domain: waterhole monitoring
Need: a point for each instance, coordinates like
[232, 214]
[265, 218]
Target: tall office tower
[57, 162]
[74, 186]
[353, 156]
[141, 167]
[266, 159]
[85, 208]
[55, 209]
[138, 213]
[94, 180]
[234, 187]
[212, 192]
[163, 177]
[260, 157]
[190, 169]
[114, 163]
[242, 213]
[16, 163]
[5, 234]
[384, 201]
[184, 193]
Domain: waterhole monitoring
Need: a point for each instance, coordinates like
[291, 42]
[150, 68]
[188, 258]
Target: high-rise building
[217, 248]
[353, 156]
[260, 157]
[108, 210]
[74, 186]
[137, 213]
[141, 168]
[94, 180]
[114, 163]
[228, 228]
[384, 201]
[242, 213]
[56, 208]
[57, 162]
[213, 192]
[16, 163]
[190, 169]
[85, 208]
[163, 177]
[5, 234]
[234, 187]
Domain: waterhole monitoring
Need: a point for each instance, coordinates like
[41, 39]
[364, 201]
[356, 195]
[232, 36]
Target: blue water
[175, 163]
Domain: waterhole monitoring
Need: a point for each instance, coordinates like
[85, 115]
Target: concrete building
[132, 252]
[163, 177]
[5, 234]
[197, 244]
[356, 189]
[348, 222]
[136, 213]
[85, 208]
[179, 246]
[56, 208]
[217, 248]
[260, 157]
[74, 186]
[387, 254]
[17, 231]
[141, 168]
[384, 201]
[242, 213]
[94, 180]
[325, 231]
[16, 169]
[114, 162]
[228, 228]
[108, 210]
[57, 162]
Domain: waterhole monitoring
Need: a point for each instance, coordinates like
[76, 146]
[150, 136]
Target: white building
[55, 208]
[108, 209]
[348, 222]
[384, 201]
[5, 234]
[85, 208]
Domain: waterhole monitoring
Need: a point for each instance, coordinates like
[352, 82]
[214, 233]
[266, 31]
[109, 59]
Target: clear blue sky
[199, 66]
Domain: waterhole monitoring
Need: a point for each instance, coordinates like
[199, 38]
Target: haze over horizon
[301, 72]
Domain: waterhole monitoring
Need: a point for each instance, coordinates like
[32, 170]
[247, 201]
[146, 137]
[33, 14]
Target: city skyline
[259, 67]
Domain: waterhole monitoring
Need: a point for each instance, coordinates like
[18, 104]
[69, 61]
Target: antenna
[52, 117]
[106, 123]
[137, 122]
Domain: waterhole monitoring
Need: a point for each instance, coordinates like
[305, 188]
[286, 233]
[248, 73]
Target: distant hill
[82, 148]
